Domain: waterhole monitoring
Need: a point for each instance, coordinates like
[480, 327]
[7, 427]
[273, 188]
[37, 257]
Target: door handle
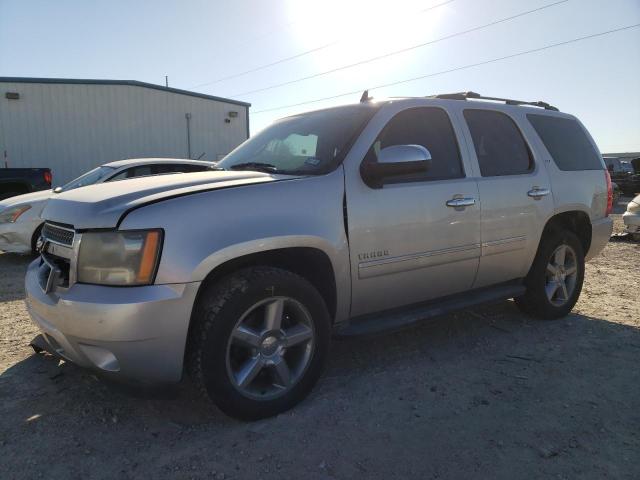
[538, 193]
[461, 202]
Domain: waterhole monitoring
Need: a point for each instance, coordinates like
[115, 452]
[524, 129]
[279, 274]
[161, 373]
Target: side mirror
[394, 161]
[57, 190]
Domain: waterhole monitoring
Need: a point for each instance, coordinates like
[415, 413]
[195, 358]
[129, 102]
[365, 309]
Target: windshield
[312, 143]
[89, 178]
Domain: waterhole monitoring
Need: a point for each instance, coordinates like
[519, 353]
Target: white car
[631, 218]
[20, 221]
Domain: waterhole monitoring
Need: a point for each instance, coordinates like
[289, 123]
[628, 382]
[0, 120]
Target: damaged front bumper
[134, 333]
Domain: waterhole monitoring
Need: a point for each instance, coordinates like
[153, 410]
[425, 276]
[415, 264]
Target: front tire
[34, 239]
[259, 342]
[555, 280]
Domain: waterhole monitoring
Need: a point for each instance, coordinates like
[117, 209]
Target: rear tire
[259, 342]
[555, 280]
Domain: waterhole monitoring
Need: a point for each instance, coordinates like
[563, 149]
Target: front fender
[204, 230]
[250, 247]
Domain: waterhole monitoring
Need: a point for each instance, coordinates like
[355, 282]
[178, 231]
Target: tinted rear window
[499, 145]
[567, 143]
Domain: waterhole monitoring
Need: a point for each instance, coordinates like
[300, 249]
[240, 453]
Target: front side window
[311, 143]
[567, 143]
[429, 127]
[499, 145]
[89, 178]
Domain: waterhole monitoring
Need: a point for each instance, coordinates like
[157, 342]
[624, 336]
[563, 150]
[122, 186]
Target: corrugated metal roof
[133, 83]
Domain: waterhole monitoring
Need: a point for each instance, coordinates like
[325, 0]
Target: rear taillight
[607, 176]
[47, 177]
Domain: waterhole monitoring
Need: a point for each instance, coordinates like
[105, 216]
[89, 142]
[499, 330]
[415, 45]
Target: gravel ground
[486, 393]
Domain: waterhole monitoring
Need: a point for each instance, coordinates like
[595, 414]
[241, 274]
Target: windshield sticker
[312, 161]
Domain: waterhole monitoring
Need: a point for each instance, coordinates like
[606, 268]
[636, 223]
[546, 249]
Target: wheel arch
[311, 263]
[34, 237]
[576, 221]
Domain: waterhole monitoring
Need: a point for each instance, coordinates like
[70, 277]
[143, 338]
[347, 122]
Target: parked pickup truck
[350, 220]
[628, 181]
[16, 181]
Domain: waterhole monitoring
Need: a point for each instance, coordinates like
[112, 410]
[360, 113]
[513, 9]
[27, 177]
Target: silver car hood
[102, 205]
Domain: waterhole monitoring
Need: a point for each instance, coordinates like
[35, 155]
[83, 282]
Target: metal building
[72, 125]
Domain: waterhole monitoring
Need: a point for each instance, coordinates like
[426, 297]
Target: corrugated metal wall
[72, 128]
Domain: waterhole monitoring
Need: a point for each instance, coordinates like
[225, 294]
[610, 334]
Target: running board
[407, 316]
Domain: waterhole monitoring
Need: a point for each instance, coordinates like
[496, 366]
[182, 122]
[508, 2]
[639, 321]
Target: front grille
[56, 234]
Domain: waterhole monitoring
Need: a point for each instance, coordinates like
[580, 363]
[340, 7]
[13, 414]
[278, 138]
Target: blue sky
[196, 42]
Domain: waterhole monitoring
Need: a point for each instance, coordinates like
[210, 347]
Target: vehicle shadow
[13, 266]
[489, 382]
[484, 334]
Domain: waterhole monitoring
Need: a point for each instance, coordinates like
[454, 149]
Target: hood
[27, 198]
[102, 205]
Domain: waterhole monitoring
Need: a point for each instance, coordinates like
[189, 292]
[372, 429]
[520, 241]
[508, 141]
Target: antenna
[365, 97]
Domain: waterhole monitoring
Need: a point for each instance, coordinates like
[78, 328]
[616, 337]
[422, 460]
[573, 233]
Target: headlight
[119, 258]
[633, 207]
[11, 214]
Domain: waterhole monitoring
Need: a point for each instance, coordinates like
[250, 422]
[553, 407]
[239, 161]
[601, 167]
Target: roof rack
[507, 101]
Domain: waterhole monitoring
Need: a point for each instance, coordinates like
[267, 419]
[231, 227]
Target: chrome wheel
[270, 348]
[561, 275]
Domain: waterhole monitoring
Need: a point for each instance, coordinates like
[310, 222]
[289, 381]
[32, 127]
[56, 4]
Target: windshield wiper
[257, 166]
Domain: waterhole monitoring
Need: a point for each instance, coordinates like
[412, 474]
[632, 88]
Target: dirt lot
[486, 393]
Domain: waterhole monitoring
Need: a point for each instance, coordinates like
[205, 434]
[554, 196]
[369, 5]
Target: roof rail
[507, 101]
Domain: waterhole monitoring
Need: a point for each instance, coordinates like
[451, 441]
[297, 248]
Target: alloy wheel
[270, 348]
[561, 275]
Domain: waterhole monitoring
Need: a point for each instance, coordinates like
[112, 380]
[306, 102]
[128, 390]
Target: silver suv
[349, 220]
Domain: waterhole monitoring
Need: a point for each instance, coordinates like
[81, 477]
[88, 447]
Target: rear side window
[164, 168]
[429, 127]
[132, 172]
[191, 168]
[141, 171]
[180, 168]
[567, 143]
[500, 147]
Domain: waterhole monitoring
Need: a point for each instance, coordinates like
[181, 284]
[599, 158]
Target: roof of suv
[370, 102]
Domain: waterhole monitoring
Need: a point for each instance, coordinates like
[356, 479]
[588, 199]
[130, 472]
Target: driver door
[409, 242]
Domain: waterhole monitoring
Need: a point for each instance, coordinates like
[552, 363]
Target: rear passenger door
[515, 194]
